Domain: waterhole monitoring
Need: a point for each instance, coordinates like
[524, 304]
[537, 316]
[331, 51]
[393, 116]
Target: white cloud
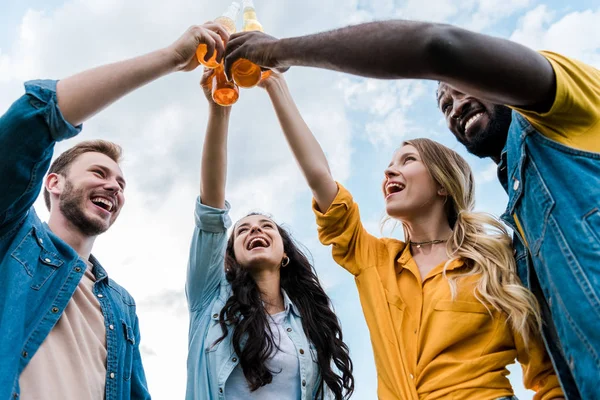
[489, 174]
[161, 127]
[576, 34]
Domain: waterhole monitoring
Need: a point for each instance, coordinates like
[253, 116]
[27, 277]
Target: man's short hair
[63, 162]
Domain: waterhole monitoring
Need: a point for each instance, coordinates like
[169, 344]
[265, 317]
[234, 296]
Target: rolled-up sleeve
[28, 132]
[538, 371]
[340, 226]
[207, 253]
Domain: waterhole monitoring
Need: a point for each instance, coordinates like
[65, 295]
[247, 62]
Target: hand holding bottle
[211, 34]
[255, 46]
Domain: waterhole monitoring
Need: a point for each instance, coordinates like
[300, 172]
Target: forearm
[84, 94]
[214, 158]
[383, 49]
[306, 149]
[490, 68]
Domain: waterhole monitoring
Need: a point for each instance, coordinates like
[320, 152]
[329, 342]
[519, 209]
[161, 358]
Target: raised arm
[110, 82]
[205, 267]
[306, 149]
[490, 68]
[213, 172]
[51, 112]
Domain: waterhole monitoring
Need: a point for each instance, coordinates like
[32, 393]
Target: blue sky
[359, 123]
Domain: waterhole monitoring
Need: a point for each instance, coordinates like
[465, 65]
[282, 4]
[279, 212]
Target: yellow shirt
[426, 345]
[574, 118]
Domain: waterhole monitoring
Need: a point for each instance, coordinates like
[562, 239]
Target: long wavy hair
[480, 240]
[244, 311]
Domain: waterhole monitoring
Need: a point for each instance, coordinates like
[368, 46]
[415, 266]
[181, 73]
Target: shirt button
[54, 310]
[112, 375]
[234, 359]
[411, 376]
[220, 390]
[24, 354]
[516, 184]
[111, 327]
[41, 240]
[215, 315]
[289, 329]
[100, 295]
[47, 260]
[77, 269]
[415, 331]
[301, 351]
[303, 382]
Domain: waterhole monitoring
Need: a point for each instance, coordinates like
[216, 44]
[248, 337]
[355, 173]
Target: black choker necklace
[419, 244]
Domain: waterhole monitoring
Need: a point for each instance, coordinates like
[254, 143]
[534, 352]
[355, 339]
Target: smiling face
[480, 126]
[257, 243]
[90, 194]
[408, 187]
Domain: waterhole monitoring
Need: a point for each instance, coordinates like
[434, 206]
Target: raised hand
[255, 46]
[212, 34]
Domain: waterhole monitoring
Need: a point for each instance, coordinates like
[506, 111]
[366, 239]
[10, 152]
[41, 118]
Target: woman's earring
[285, 261]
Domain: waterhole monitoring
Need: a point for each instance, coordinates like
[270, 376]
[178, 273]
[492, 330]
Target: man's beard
[491, 141]
[72, 206]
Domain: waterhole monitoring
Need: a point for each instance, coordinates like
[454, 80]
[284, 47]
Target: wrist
[279, 52]
[170, 58]
[215, 110]
[275, 86]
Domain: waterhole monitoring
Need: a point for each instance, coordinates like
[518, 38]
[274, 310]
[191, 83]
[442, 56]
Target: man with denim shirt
[68, 330]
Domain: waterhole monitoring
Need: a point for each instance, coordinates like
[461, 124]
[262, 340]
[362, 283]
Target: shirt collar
[288, 305]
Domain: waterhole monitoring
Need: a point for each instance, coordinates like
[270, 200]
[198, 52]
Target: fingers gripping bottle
[227, 19]
[245, 73]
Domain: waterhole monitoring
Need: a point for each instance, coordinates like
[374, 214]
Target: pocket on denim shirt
[38, 263]
[213, 334]
[129, 345]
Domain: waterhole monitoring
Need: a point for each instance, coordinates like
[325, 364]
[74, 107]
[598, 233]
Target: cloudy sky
[359, 122]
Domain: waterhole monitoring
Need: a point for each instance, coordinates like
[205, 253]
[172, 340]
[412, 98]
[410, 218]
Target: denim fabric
[38, 271]
[207, 290]
[554, 193]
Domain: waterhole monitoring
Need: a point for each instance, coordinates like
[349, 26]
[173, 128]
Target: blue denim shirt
[554, 191]
[207, 291]
[39, 272]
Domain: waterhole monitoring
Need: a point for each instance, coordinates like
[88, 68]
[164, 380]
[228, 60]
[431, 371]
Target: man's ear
[54, 184]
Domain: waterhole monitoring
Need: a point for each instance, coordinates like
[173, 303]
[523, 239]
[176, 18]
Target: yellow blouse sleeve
[574, 118]
[352, 246]
[538, 371]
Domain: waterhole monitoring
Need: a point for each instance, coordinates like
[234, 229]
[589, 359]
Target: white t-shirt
[284, 365]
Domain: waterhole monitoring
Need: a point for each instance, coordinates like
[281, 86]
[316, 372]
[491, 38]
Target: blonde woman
[445, 309]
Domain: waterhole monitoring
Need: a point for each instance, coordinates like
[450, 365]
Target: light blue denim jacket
[209, 366]
[39, 272]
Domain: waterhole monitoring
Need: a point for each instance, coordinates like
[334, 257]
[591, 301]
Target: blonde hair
[479, 240]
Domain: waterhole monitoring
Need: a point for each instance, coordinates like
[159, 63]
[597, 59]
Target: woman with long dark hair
[261, 325]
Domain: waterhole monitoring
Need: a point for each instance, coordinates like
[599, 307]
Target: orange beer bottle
[227, 19]
[224, 92]
[245, 73]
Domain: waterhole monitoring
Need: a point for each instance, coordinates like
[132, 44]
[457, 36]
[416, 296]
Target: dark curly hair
[244, 310]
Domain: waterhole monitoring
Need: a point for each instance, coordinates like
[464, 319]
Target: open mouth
[393, 188]
[103, 203]
[471, 120]
[257, 242]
